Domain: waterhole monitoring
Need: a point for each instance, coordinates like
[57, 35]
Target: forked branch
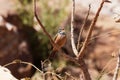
[81, 53]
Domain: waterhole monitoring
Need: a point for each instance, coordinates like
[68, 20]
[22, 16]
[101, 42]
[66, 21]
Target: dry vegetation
[82, 57]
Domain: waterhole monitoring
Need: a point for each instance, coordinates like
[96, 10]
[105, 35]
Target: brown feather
[59, 41]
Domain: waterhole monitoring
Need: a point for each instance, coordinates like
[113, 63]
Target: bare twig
[58, 76]
[72, 29]
[41, 25]
[69, 75]
[117, 67]
[19, 61]
[103, 35]
[23, 62]
[104, 69]
[81, 53]
[82, 28]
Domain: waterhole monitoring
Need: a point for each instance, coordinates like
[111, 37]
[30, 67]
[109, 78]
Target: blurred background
[22, 38]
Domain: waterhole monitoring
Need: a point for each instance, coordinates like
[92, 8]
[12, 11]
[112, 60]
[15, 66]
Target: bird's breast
[60, 40]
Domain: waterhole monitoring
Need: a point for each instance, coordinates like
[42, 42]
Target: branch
[41, 25]
[19, 61]
[104, 69]
[69, 75]
[22, 62]
[81, 53]
[81, 64]
[81, 30]
[58, 76]
[72, 29]
[84, 69]
[117, 67]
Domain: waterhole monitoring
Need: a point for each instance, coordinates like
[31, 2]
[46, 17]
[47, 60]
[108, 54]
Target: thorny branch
[69, 75]
[81, 53]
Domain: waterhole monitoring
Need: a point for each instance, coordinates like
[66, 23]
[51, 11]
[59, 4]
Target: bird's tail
[52, 54]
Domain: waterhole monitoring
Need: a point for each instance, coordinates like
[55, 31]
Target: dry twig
[22, 62]
[43, 28]
[69, 75]
[104, 69]
[82, 28]
[81, 53]
[72, 29]
[117, 67]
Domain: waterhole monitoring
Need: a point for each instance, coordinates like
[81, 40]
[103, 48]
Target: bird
[59, 40]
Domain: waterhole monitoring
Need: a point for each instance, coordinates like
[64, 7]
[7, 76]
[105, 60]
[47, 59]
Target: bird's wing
[58, 39]
[54, 38]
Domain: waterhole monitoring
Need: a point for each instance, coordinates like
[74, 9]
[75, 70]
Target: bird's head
[62, 31]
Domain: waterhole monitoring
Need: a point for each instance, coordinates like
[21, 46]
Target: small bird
[59, 40]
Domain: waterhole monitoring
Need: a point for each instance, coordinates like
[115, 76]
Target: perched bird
[59, 40]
